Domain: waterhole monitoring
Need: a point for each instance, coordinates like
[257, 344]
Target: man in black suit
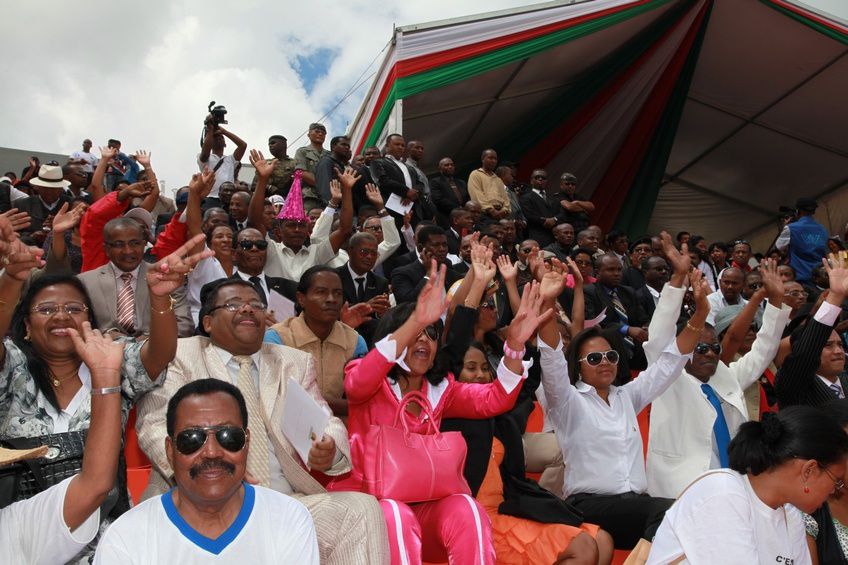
[656, 273]
[250, 255]
[814, 372]
[360, 284]
[393, 177]
[448, 192]
[542, 209]
[624, 314]
[408, 281]
[460, 224]
[239, 205]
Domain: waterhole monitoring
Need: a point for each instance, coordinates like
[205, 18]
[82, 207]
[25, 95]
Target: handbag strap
[418, 398]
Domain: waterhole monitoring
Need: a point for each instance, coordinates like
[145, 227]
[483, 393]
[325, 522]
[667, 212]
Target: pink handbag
[410, 467]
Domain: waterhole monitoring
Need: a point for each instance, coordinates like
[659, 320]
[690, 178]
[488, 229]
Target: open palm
[169, 274]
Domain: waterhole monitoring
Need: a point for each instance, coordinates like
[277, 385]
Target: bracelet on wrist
[693, 328]
[169, 309]
[512, 353]
[105, 391]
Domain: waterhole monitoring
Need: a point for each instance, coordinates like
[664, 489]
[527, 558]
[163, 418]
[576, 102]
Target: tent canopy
[703, 115]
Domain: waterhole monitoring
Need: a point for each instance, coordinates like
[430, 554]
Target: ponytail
[797, 432]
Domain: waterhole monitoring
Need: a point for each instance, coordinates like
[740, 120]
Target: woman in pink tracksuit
[455, 528]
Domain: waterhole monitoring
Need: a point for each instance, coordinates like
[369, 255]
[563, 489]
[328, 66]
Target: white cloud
[145, 72]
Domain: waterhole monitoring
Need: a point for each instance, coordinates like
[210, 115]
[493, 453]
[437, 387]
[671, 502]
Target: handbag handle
[418, 398]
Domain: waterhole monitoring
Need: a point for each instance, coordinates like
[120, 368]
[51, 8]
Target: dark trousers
[627, 517]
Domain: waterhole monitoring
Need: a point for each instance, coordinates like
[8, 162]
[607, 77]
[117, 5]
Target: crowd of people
[445, 308]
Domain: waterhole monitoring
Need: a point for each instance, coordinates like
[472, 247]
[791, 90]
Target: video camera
[217, 116]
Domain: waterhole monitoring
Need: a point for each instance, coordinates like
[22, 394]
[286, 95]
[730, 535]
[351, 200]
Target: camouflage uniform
[306, 159]
[281, 178]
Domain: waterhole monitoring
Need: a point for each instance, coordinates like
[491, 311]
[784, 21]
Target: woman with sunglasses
[793, 460]
[405, 359]
[595, 421]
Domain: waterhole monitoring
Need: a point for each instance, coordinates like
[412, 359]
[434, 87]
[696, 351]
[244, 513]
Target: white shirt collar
[353, 274]
[837, 382]
[226, 356]
[655, 293]
[118, 272]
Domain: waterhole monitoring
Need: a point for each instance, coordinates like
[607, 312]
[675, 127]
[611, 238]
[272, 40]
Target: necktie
[257, 282]
[456, 191]
[622, 314]
[837, 390]
[360, 289]
[126, 304]
[258, 455]
[720, 431]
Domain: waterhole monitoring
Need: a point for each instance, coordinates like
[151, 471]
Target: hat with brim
[640, 241]
[9, 456]
[49, 176]
[143, 217]
[725, 317]
[806, 204]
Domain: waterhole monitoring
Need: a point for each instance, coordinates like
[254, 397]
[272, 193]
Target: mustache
[209, 464]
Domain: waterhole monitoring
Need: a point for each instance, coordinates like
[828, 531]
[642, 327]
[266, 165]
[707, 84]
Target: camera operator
[212, 157]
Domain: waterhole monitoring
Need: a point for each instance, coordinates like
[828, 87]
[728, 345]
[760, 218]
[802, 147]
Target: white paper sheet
[395, 204]
[280, 306]
[304, 420]
[596, 320]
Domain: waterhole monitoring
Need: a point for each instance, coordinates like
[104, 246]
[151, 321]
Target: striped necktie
[837, 390]
[622, 314]
[259, 453]
[126, 304]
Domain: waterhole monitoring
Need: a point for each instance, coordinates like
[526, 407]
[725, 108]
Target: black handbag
[27, 478]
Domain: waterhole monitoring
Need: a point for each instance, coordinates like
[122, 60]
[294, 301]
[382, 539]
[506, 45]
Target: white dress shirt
[407, 178]
[718, 303]
[262, 282]
[601, 442]
[283, 261]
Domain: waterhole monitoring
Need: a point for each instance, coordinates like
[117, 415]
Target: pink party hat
[293, 208]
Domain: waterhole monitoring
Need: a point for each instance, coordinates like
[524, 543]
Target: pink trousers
[454, 529]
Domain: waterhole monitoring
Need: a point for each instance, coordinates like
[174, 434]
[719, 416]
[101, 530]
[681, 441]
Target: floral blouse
[25, 412]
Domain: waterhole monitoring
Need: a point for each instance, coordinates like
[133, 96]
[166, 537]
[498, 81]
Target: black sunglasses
[190, 440]
[248, 244]
[431, 332]
[594, 359]
[702, 348]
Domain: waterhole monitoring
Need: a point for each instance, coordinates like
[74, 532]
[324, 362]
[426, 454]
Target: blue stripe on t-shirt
[214, 546]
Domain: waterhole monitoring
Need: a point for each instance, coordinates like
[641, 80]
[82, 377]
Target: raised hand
[348, 178]
[143, 158]
[66, 220]
[19, 259]
[264, 167]
[335, 192]
[407, 220]
[379, 304]
[530, 316]
[108, 153]
[508, 269]
[354, 316]
[772, 285]
[431, 300]
[372, 193]
[678, 258]
[535, 263]
[481, 262]
[8, 237]
[102, 355]
[575, 272]
[136, 190]
[700, 290]
[202, 183]
[19, 220]
[552, 283]
[169, 274]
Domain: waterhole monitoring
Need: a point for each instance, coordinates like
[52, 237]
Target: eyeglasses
[236, 306]
[49, 309]
[373, 228]
[248, 244]
[702, 348]
[190, 440]
[527, 250]
[431, 331]
[797, 293]
[362, 252]
[134, 243]
[490, 304]
[596, 357]
[838, 484]
[755, 286]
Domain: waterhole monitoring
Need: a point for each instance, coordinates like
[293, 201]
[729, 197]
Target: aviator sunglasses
[702, 348]
[190, 440]
[594, 359]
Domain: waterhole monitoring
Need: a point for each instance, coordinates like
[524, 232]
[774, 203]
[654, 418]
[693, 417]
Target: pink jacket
[373, 399]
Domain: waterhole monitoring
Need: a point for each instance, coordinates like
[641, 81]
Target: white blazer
[680, 441]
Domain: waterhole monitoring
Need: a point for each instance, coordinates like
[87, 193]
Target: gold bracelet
[693, 328]
[170, 307]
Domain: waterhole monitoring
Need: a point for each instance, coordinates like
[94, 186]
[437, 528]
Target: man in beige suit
[350, 526]
[120, 303]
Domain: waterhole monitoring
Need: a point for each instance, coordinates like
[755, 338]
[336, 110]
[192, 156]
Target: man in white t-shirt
[213, 515]
[212, 157]
[85, 157]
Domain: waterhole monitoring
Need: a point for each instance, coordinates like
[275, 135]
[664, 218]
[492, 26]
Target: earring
[806, 489]
[26, 337]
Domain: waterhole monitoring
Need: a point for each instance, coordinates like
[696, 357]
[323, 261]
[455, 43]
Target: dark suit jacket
[597, 299]
[445, 199]
[796, 381]
[454, 241]
[646, 301]
[374, 285]
[536, 209]
[286, 287]
[37, 212]
[397, 260]
[389, 178]
[408, 281]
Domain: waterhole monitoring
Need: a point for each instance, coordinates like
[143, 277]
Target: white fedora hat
[49, 176]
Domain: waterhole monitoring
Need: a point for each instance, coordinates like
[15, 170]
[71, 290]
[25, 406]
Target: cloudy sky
[144, 72]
